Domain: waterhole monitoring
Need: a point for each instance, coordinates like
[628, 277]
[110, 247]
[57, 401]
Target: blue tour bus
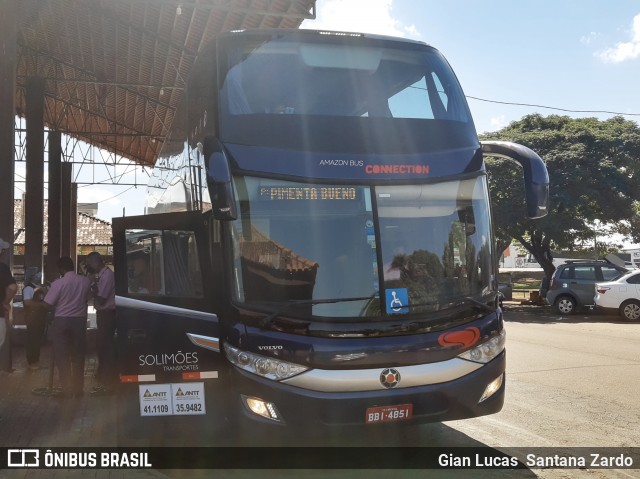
[317, 249]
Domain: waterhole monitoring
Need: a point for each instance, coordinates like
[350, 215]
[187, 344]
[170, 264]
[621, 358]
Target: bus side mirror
[536, 178]
[219, 181]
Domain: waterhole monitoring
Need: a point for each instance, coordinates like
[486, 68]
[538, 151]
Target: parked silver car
[572, 285]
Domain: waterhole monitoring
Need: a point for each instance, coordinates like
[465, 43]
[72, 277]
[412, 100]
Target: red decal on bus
[462, 338]
[396, 169]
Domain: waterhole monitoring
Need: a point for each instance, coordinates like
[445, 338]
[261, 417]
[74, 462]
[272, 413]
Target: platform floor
[34, 420]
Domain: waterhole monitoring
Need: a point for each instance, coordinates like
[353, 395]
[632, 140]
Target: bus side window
[145, 269]
[183, 274]
[163, 263]
[140, 274]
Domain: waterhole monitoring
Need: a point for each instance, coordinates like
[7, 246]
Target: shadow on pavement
[384, 440]
[545, 314]
[30, 420]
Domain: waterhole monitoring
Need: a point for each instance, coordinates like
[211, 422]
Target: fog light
[492, 388]
[261, 408]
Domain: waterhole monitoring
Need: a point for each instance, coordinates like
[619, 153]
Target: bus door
[168, 286]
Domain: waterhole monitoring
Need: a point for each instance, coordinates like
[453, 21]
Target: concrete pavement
[35, 420]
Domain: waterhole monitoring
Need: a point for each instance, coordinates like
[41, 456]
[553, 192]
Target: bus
[317, 250]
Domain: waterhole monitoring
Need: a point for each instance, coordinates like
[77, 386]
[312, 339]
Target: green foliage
[594, 171]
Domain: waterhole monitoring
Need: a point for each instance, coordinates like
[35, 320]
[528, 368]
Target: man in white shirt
[69, 297]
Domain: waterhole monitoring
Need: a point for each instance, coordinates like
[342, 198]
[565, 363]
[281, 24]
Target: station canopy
[115, 70]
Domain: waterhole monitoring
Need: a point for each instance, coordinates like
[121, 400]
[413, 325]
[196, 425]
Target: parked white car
[621, 296]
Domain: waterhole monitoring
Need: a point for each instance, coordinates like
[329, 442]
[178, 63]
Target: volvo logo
[389, 378]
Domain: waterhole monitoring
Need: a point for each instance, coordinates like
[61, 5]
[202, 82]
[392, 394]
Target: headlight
[486, 351]
[269, 368]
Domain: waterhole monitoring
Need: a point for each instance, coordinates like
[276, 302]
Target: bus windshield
[341, 251]
[333, 83]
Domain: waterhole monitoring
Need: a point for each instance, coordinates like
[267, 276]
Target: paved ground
[576, 380]
[35, 420]
[572, 381]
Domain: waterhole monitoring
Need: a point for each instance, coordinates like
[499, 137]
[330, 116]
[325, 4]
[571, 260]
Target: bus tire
[630, 310]
[565, 305]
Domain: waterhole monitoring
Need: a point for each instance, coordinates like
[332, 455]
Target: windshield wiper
[463, 300]
[478, 304]
[267, 320]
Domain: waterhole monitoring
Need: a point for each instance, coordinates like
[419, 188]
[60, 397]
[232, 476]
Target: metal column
[73, 224]
[53, 222]
[34, 198]
[68, 212]
[8, 55]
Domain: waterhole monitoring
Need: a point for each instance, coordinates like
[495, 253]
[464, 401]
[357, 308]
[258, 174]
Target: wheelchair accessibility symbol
[397, 300]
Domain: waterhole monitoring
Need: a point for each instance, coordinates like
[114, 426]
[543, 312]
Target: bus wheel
[565, 305]
[630, 310]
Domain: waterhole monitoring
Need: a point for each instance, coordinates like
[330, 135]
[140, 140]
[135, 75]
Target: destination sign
[308, 193]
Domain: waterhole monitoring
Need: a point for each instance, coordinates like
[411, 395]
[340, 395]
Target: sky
[581, 55]
[568, 54]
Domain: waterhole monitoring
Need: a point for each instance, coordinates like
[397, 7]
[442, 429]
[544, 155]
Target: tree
[594, 171]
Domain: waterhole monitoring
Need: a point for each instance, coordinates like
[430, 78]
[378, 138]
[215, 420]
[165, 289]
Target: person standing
[68, 297]
[104, 301]
[8, 289]
[35, 314]
[31, 282]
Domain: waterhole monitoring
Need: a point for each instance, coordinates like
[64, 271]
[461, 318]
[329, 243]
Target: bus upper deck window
[233, 92]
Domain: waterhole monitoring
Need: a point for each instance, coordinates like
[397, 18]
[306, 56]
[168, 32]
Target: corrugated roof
[114, 69]
[92, 231]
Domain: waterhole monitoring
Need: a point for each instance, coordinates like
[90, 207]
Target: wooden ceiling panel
[115, 70]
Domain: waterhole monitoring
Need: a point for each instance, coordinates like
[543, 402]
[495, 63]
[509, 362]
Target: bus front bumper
[281, 404]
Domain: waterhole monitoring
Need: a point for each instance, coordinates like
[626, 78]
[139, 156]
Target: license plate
[399, 412]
